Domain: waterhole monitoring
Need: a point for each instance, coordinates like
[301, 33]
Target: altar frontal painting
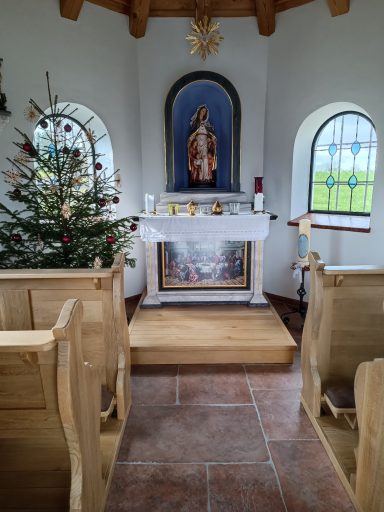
[220, 264]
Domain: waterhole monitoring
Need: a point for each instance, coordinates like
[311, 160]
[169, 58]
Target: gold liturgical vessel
[192, 207]
[217, 208]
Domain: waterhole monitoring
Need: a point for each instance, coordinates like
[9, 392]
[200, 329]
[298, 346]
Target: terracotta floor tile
[244, 488]
[308, 479]
[193, 434]
[164, 488]
[213, 384]
[275, 376]
[154, 384]
[282, 415]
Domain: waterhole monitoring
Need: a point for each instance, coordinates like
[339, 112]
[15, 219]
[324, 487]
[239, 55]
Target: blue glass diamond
[330, 181]
[352, 182]
[355, 148]
[332, 150]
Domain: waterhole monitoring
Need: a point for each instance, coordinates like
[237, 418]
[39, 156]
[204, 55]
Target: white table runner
[175, 228]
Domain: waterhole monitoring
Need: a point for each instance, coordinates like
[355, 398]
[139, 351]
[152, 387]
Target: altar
[204, 258]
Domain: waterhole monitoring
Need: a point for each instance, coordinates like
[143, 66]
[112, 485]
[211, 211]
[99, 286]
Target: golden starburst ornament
[204, 38]
[31, 114]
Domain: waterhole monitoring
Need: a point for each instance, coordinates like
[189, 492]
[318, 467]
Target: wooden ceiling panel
[284, 5]
[121, 6]
[140, 10]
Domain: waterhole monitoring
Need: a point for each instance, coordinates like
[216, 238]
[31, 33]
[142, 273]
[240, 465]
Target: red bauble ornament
[16, 237]
[133, 226]
[66, 150]
[66, 239]
[44, 124]
[77, 153]
[67, 128]
[102, 202]
[110, 239]
[98, 166]
[27, 147]
[115, 200]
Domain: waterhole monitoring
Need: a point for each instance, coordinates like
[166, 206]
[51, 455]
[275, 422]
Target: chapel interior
[221, 349]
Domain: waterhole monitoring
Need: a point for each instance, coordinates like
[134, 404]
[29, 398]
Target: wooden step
[209, 334]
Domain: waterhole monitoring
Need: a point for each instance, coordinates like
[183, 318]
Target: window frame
[314, 141]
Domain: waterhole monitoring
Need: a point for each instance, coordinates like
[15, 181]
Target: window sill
[357, 223]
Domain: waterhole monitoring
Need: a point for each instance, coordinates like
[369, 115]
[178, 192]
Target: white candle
[258, 204]
[149, 203]
[304, 242]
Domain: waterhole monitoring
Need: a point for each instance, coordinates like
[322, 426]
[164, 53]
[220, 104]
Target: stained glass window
[343, 165]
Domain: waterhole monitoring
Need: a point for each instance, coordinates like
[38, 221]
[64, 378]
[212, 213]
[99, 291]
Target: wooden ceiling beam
[70, 9]
[338, 7]
[203, 8]
[265, 12]
[138, 17]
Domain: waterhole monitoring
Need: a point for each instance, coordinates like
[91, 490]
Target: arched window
[343, 162]
[82, 130]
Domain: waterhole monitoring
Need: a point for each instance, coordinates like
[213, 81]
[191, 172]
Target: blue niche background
[220, 109]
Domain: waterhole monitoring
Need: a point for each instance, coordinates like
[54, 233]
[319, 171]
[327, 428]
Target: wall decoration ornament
[205, 37]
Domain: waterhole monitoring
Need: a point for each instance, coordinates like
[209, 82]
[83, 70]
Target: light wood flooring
[209, 334]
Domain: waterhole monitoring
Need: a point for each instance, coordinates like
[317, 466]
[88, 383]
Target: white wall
[315, 60]
[311, 60]
[92, 62]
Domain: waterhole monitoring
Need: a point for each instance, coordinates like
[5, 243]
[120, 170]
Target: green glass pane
[332, 198]
[320, 194]
[321, 176]
[368, 203]
[358, 199]
[343, 199]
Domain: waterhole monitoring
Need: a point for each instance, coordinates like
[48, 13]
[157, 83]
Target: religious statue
[202, 142]
[3, 98]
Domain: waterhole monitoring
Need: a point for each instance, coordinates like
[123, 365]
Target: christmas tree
[64, 215]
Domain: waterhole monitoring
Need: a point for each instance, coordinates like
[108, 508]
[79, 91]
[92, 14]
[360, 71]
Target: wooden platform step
[209, 334]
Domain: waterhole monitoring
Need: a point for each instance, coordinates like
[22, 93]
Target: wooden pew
[40, 295]
[50, 454]
[369, 393]
[344, 327]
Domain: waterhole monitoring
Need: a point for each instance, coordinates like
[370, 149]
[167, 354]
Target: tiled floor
[222, 438]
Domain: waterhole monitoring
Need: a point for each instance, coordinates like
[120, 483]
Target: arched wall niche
[220, 96]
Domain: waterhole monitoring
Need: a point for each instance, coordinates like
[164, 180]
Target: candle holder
[258, 184]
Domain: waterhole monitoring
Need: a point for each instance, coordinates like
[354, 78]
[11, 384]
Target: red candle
[258, 184]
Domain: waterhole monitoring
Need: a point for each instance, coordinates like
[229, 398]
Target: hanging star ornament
[204, 38]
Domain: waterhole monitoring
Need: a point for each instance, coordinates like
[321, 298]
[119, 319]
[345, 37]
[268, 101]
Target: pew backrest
[39, 296]
[344, 325]
[49, 418]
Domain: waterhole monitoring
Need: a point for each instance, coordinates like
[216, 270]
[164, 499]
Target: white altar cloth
[177, 228]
